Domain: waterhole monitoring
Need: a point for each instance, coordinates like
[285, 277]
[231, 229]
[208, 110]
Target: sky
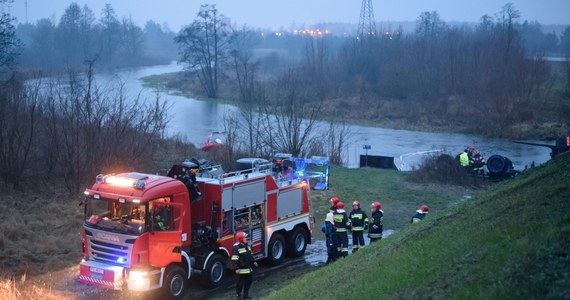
[276, 14]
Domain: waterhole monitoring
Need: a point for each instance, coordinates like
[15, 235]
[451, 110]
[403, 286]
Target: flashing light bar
[124, 182]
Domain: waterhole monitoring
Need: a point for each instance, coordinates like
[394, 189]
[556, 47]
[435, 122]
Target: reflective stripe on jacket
[358, 220]
[376, 224]
[242, 258]
[341, 221]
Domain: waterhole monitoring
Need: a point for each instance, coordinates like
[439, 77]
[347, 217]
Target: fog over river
[193, 120]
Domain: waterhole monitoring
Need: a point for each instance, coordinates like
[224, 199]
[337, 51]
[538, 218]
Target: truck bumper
[103, 275]
[119, 278]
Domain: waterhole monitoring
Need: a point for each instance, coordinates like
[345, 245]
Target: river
[193, 120]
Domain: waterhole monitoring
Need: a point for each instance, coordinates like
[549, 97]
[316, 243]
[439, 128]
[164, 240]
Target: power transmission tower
[366, 24]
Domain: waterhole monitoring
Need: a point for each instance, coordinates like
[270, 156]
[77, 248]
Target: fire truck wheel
[214, 272]
[175, 283]
[297, 242]
[276, 249]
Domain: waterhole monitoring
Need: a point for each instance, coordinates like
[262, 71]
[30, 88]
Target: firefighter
[478, 162]
[420, 214]
[329, 231]
[358, 221]
[161, 219]
[342, 225]
[243, 262]
[334, 201]
[376, 222]
[470, 152]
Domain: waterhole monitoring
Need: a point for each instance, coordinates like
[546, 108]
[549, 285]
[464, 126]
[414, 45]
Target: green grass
[400, 198]
[508, 242]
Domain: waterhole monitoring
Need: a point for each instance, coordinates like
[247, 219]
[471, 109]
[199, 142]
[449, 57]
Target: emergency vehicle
[143, 232]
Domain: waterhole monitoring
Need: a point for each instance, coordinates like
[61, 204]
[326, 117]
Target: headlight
[137, 275]
[139, 281]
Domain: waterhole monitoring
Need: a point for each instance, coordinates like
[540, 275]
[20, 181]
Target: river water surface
[193, 120]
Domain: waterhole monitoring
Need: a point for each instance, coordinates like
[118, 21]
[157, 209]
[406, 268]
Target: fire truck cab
[143, 232]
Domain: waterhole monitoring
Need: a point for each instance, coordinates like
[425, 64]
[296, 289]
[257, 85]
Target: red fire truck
[143, 232]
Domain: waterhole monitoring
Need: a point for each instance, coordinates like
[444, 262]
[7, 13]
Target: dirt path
[64, 284]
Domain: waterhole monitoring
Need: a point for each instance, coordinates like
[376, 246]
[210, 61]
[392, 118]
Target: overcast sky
[283, 13]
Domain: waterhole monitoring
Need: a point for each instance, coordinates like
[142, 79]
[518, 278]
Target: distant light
[136, 201]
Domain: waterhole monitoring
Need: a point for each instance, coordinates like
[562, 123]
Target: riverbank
[441, 116]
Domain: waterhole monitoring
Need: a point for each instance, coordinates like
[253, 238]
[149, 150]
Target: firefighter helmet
[335, 200]
[340, 205]
[356, 203]
[376, 205]
[241, 236]
[424, 208]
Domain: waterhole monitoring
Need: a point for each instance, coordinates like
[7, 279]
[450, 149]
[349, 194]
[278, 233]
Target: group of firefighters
[338, 223]
[336, 227]
[471, 158]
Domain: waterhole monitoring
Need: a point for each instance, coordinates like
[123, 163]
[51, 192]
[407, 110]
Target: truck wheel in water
[276, 249]
[175, 282]
[214, 272]
[297, 242]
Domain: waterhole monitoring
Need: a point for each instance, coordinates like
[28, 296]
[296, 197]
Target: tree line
[64, 130]
[78, 36]
[490, 79]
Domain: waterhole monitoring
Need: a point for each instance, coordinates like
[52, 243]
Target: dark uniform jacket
[418, 216]
[341, 221]
[242, 259]
[375, 226]
[358, 220]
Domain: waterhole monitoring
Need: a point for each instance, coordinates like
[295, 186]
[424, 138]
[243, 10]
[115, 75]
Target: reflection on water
[193, 120]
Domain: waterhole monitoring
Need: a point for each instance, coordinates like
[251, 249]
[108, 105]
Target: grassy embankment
[399, 197]
[510, 241]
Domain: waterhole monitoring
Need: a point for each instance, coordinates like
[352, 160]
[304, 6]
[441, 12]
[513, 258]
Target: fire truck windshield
[126, 218]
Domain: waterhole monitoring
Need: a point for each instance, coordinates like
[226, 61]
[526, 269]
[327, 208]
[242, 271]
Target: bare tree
[132, 38]
[291, 116]
[20, 112]
[92, 130]
[565, 48]
[202, 46]
[9, 44]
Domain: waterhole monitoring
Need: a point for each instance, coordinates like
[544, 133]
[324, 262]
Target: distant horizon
[279, 15]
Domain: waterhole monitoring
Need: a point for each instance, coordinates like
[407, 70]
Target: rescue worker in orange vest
[342, 225]
[358, 221]
[243, 262]
[375, 226]
[420, 214]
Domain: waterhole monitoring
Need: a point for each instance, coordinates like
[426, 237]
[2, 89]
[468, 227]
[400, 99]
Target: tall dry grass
[39, 233]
